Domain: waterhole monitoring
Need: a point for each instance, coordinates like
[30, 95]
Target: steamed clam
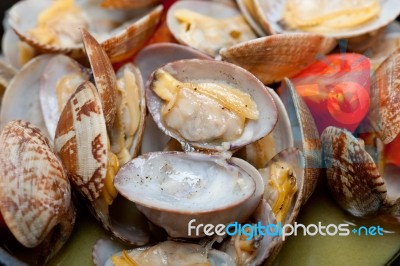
[35, 193]
[54, 26]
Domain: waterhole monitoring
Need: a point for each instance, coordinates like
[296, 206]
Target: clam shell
[385, 94]
[305, 134]
[352, 175]
[21, 99]
[275, 57]
[129, 41]
[57, 67]
[211, 9]
[7, 259]
[149, 181]
[104, 76]
[81, 141]
[35, 194]
[128, 3]
[270, 13]
[156, 55]
[248, 10]
[7, 72]
[219, 72]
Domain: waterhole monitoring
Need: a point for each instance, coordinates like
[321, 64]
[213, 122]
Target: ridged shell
[384, 114]
[104, 76]
[270, 13]
[305, 135]
[81, 141]
[35, 193]
[352, 175]
[128, 3]
[275, 57]
[196, 70]
[129, 41]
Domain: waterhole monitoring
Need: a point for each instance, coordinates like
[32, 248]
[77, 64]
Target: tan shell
[35, 194]
[128, 42]
[385, 94]
[81, 141]
[104, 76]
[7, 72]
[305, 135]
[128, 3]
[352, 175]
[274, 57]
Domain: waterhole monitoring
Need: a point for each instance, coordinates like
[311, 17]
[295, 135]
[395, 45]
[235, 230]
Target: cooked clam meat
[280, 188]
[127, 118]
[211, 34]
[59, 24]
[189, 107]
[329, 16]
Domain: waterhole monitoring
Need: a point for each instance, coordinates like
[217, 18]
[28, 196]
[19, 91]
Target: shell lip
[264, 101]
[388, 13]
[154, 206]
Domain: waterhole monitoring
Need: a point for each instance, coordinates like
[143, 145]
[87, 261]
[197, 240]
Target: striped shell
[35, 194]
[81, 141]
[274, 57]
[352, 175]
[385, 94]
[104, 76]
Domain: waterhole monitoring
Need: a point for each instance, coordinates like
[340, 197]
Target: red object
[336, 90]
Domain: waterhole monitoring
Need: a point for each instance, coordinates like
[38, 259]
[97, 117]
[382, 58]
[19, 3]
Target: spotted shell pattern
[34, 189]
[81, 141]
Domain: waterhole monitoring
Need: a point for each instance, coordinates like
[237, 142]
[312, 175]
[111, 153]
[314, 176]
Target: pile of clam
[180, 131]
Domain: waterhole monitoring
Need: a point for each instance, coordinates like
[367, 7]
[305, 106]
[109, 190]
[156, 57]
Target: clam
[59, 79]
[260, 152]
[54, 26]
[353, 177]
[207, 26]
[284, 185]
[21, 98]
[305, 135]
[275, 57]
[128, 3]
[164, 253]
[82, 143]
[35, 193]
[7, 72]
[242, 109]
[173, 188]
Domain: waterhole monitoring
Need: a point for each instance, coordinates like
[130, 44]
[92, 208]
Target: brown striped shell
[104, 76]
[35, 193]
[128, 3]
[274, 57]
[385, 94]
[305, 135]
[81, 141]
[352, 175]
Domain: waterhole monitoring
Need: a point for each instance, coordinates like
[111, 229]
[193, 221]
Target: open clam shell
[197, 71]
[21, 99]
[202, 34]
[35, 193]
[270, 13]
[305, 135]
[352, 174]
[385, 94]
[247, 8]
[173, 188]
[121, 31]
[52, 96]
[275, 57]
